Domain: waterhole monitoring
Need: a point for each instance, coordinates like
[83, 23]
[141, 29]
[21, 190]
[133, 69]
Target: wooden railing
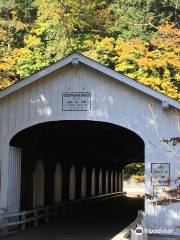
[32, 218]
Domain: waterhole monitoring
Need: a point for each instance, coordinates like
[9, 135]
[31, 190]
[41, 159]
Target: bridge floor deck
[101, 221]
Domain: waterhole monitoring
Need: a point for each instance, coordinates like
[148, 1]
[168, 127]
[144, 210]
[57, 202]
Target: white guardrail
[134, 231]
[138, 228]
[32, 218]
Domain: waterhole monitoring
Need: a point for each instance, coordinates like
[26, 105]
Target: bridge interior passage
[73, 159]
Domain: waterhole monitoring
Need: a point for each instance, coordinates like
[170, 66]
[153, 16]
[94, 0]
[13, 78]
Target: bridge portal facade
[67, 132]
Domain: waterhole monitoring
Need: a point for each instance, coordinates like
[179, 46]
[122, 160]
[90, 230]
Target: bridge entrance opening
[134, 179]
[70, 160]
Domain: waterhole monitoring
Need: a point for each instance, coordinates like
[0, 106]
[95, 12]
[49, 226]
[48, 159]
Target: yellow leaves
[3, 32]
[138, 179]
[144, 61]
[2, 21]
[177, 76]
[4, 83]
[92, 53]
[19, 25]
[16, 55]
[151, 82]
[154, 63]
[10, 26]
[131, 49]
[139, 45]
[48, 10]
[14, 15]
[107, 44]
[32, 41]
[124, 51]
[169, 30]
[167, 73]
[61, 29]
[37, 31]
[4, 36]
[124, 46]
[10, 62]
[88, 43]
[4, 66]
[164, 86]
[123, 67]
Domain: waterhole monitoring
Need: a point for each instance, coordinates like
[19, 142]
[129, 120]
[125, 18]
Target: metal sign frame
[78, 106]
[165, 179]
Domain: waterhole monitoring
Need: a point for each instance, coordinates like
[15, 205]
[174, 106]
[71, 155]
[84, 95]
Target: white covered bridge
[67, 132]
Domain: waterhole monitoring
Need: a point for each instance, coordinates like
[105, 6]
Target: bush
[138, 179]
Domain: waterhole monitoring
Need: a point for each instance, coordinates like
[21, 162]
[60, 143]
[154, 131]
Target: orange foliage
[153, 63]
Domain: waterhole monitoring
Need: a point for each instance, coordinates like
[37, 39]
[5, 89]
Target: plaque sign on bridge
[76, 101]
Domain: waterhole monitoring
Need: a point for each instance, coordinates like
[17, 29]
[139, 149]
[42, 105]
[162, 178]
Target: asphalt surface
[101, 221]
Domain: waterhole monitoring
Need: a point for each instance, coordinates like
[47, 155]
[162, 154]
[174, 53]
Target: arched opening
[72, 160]
[133, 179]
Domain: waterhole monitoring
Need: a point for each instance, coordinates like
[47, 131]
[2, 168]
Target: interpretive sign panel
[160, 174]
[76, 101]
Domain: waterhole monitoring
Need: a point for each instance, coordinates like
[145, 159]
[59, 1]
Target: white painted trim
[97, 66]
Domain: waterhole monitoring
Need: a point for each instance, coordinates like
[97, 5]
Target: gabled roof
[75, 59]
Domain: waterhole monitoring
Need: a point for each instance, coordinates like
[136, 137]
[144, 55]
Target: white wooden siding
[14, 179]
[112, 102]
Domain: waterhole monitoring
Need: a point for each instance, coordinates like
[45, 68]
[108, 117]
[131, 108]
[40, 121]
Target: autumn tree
[137, 38]
[154, 63]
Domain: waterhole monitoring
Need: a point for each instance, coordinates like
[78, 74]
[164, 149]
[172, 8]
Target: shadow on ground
[101, 221]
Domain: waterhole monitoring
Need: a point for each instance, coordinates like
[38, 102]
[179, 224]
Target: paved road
[101, 221]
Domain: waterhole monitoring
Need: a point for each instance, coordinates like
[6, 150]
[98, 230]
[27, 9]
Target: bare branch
[158, 134]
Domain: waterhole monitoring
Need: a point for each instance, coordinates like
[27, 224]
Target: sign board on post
[76, 101]
[160, 174]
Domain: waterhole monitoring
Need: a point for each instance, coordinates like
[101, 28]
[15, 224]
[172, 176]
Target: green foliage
[25, 10]
[134, 169]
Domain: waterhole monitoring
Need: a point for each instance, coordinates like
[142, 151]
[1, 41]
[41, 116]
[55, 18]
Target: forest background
[139, 38]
